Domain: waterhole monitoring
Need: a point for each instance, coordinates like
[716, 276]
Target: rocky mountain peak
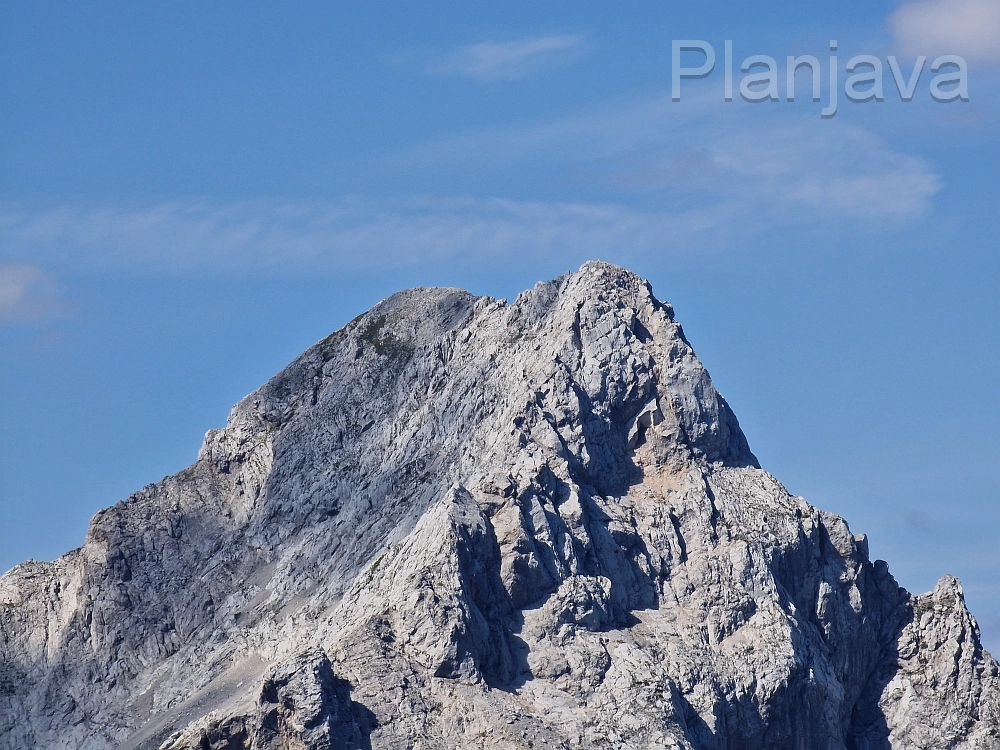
[459, 522]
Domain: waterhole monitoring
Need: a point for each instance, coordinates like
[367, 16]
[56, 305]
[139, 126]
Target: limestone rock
[462, 523]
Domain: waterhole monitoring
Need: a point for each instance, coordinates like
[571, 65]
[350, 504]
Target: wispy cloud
[962, 27]
[491, 61]
[26, 294]
[346, 235]
[672, 182]
[708, 154]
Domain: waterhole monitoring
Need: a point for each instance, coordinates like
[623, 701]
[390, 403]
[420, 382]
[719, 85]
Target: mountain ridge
[458, 522]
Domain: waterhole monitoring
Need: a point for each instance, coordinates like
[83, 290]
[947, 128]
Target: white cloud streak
[350, 235]
[492, 61]
[786, 166]
[676, 182]
[970, 28]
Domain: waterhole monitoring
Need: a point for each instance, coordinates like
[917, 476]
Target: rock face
[462, 523]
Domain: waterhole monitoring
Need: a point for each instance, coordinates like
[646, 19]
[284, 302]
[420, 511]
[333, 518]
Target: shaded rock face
[301, 705]
[462, 523]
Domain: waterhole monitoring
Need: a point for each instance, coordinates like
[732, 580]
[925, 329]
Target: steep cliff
[462, 523]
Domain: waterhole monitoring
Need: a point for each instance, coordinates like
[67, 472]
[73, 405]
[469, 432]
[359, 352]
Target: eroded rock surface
[462, 523]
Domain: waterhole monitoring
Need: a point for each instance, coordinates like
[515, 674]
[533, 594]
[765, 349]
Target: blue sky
[192, 193]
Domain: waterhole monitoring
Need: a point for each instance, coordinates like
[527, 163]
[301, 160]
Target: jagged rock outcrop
[462, 523]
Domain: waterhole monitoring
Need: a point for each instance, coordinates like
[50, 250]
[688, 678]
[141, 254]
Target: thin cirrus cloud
[764, 166]
[27, 294]
[667, 189]
[370, 235]
[970, 28]
[347, 235]
[498, 61]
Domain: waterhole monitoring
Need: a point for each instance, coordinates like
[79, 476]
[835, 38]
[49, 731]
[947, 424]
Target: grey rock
[462, 523]
[301, 704]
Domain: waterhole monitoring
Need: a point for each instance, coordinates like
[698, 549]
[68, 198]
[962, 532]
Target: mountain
[463, 523]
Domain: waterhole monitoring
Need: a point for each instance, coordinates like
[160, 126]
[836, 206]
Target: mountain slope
[462, 523]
